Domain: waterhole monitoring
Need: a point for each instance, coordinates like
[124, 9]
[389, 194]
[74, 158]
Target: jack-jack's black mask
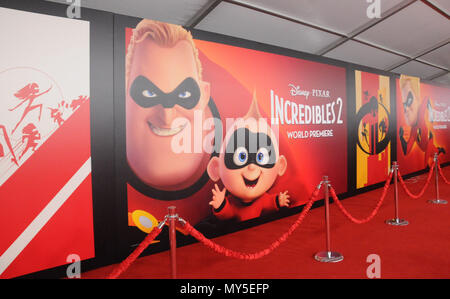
[146, 94]
[245, 147]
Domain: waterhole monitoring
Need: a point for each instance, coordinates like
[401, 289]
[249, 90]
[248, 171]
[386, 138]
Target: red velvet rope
[252, 256]
[402, 182]
[374, 212]
[135, 254]
[442, 175]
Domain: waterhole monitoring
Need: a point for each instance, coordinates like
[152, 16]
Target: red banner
[45, 143]
[374, 127]
[208, 88]
[423, 114]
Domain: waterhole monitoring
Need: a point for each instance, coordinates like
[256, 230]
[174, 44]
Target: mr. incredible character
[164, 83]
[415, 111]
[248, 165]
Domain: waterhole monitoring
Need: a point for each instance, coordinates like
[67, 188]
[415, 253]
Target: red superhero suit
[28, 94]
[420, 134]
[8, 143]
[31, 134]
[56, 115]
[233, 207]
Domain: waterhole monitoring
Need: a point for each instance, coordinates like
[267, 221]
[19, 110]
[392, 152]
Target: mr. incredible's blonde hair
[164, 35]
[414, 83]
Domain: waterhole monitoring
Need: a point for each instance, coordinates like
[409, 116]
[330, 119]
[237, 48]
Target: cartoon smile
[165, 132]
[250, 183]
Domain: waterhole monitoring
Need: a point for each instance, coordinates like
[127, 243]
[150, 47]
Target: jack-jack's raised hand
[218, 197]
[283, 199]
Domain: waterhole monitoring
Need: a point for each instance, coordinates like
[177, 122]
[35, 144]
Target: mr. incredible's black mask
[146, 94]
[245, 147]
[409, 100]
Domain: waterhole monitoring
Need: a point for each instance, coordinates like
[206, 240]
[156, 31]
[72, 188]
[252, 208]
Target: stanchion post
[437, 200]
[396, 221]
[173, 240]
[328, 256]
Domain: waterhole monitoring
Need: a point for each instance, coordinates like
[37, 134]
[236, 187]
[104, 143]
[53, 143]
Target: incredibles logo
[374, 129]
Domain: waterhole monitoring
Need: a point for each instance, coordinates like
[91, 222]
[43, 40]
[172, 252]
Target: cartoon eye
[184, 94]
[240, 156]
[262, 156]
[148, 94]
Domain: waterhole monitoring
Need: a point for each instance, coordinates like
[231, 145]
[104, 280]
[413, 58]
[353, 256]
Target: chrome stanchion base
[329, 257]
[398, 222]
[438, 201]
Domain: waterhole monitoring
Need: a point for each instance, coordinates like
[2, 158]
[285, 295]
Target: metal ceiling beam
[353, 35]
[271, 13]
[367, 26]
[437, 76]
[202, 13]
[390, 69]
[437, 9]
[415, 58]
[344, 37]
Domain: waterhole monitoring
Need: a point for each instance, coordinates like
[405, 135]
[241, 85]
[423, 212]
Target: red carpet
[419, 250]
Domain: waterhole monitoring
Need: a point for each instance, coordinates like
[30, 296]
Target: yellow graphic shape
[144, 221]
[362, 157]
